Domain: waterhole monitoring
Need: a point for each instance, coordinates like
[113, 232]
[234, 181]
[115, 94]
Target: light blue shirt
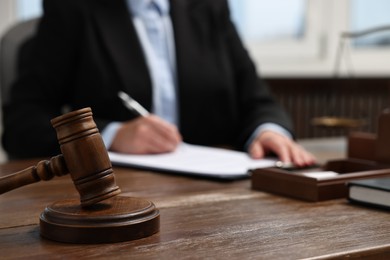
[163, 94]
[154, 28]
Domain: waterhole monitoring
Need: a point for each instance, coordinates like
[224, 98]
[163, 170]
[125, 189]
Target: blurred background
[301, 48]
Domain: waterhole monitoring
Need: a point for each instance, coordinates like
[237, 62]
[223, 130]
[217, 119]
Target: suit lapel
[120, 38]
[188, 25]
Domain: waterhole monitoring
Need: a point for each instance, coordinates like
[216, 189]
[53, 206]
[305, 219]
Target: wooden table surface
[201, 219]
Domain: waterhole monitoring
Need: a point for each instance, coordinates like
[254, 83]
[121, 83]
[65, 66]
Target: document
[196, 160]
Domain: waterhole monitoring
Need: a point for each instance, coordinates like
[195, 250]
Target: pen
[132, 105]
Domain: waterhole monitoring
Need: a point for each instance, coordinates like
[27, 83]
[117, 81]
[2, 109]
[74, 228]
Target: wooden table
[201, 219]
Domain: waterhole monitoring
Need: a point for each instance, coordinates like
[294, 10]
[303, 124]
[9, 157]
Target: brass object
[337, 122]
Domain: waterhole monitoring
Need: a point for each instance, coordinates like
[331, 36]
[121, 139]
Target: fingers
[168, 132]
[256, 151]
[146, 135]
[158, 137]
[151, 134]
[300, 156]
[286, 149]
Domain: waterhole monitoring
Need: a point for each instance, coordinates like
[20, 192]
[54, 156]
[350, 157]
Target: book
[196, 160]
[370, 192]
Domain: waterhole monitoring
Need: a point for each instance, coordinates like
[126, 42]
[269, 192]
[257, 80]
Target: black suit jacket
[85, 51]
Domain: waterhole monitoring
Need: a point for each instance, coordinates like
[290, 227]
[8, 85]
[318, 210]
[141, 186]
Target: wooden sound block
[114, 220]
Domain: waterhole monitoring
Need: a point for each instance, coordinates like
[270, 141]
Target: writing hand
[146, 135]
[286, 149]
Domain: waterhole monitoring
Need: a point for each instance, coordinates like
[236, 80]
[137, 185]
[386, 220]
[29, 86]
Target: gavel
[84, 157]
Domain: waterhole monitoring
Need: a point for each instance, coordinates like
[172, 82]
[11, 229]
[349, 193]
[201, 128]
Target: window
[301, 37]
[27, 9]
[267, 21]
[367, 15]
[369, 55]
[280, 33]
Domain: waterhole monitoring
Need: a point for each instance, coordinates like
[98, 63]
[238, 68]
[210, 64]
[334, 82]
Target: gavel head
[85, 156]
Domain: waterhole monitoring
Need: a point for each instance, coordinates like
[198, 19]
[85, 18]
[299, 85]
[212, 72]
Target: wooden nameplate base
[298, 184]
[368, 157]
[115, 220]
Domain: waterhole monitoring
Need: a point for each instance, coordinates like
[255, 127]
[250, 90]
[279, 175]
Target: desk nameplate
[298, 185]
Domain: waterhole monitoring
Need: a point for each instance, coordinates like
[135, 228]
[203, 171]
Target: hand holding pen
[147, 134]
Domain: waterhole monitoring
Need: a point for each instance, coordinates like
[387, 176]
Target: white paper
[196, 160]
[321, 175]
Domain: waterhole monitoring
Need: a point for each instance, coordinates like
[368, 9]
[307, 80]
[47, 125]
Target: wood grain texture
[114, 220]
[202, 219]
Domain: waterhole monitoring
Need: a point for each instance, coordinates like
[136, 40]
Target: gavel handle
[44, 170]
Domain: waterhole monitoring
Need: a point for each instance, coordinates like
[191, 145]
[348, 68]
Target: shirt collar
[137, 7]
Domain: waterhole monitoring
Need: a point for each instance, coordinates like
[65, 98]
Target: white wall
[7, 18]
[7, 14]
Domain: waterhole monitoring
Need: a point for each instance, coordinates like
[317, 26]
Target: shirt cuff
[267, 127]
[109, 132]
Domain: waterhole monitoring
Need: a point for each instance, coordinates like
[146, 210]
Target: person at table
[181, 59]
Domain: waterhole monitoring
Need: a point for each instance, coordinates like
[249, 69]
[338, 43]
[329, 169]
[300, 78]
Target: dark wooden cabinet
[309, 98]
